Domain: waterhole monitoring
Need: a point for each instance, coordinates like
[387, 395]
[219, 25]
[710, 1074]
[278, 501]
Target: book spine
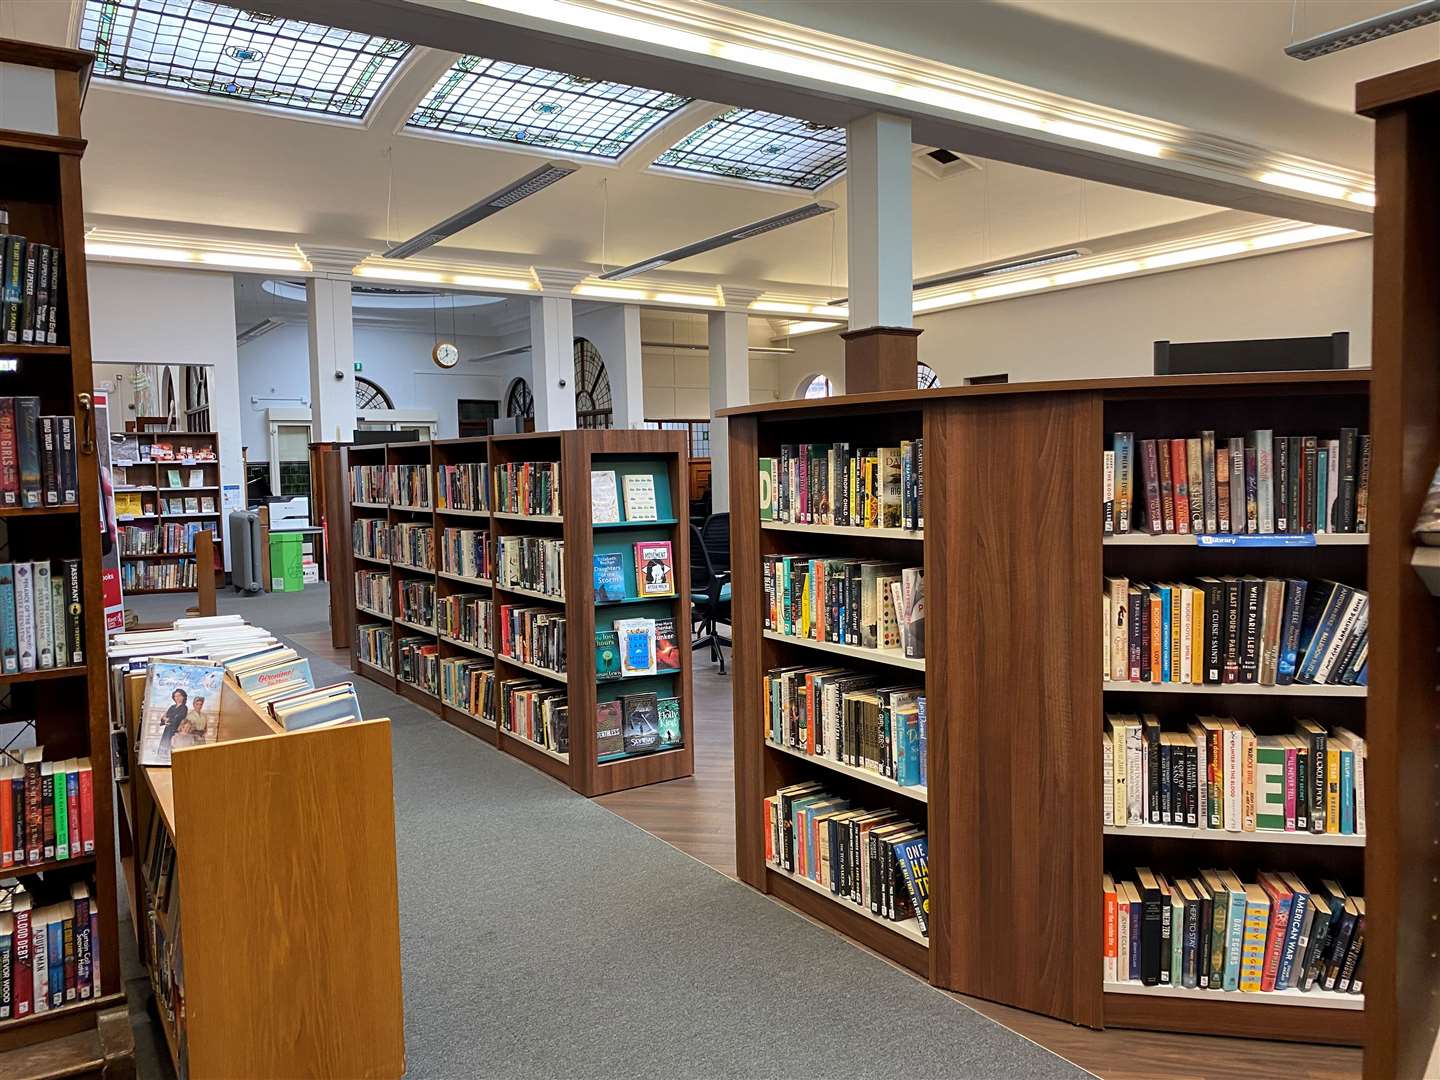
[9, 454]
[66, 459]
[27, 449]
[1154, 502]
[74, 612]
[1282, 486]
[1222, 488]
[1250, 613]
[1209, 482]
[1180, 486]
[27, 296]
[23, 967]
[49, 471]
[52, 315]
[1362, 488]
[1195, 485]
[1237, 485]
[25, 614]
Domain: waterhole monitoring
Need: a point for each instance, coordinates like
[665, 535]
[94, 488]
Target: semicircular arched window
[925, 377]
[593, 406]
[370, 395]
[816, 386]
[519, 402]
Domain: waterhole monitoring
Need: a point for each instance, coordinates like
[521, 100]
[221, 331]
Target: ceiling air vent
[943, 164]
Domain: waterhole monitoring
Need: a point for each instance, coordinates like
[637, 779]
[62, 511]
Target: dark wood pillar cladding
[747, 675]
[880, 358]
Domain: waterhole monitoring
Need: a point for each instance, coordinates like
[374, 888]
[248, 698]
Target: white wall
[1108, 329]
[141, 315]
[677, 381]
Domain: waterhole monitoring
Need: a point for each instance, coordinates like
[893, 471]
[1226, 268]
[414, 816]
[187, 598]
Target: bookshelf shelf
[372, 611]
[913, 792]
[48, 865]
[135, 490]
[69, 672]
[369, 559]
[893, 657]
[448, 511]
[410, 508]
[552, 519]
[633, 600]
[1282, 542]
[1314, 999]
[654, 524]
[34, 350]
[1223, 836]
[531, 745]
[421, 627]
[534, 594]
[370, 505]
[1244, 689]
[468, 645]
[416, 567]
[534, 669]
[37, 511]
[161, 555]
[483, 582]
[845, 530]
[125, 518]
[907, 928]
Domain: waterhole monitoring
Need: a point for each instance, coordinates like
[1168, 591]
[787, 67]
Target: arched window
[815, 386]
[168, 397]
[197, 398]
[518, 401]
[370, 395]
[593, 407]
[925, 377]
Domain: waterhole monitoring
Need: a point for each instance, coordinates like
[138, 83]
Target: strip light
[731, 236]
[1312, 185]
[1367, 30]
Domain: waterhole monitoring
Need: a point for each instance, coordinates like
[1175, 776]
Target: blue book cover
[1290, 631]
[609, 577]
[55, 961]
[1299, 906]
[914, 860]
[909, 771]
[1347, 792]
[1330, 600]
[924, 741]
[1234, 939]
[1166, 635]
[9, 635]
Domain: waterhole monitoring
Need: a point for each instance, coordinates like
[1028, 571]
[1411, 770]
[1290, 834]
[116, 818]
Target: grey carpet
[543, 936]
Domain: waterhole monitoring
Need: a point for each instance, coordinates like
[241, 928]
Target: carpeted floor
[543, 936]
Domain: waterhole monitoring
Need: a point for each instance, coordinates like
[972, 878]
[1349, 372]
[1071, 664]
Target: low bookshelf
[166, 487]
[456, 601]
[1012, 804]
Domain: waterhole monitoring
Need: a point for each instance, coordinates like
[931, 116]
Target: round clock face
[446, 354]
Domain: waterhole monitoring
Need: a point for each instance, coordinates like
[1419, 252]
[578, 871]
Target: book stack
[864, 602]
[533, 635]
[42, 616]
[528, 487]
[30, 291]
[47, 808]
[465, 552]
[1218, 774]
[1213, 931]
[158, 577]
[372, 591]
[1226, 629]
[636, 647]
[534, 563]
[368, 484]
[161, 918]
[371, 537]
[465, 617]
[632, 724]
[274, 671]
[410, 486]
[413, 544]
[49, 951]
[374, 641]
[417, 601]
[468, 684]
[37, 455]
[851, 717]
[418, 663]
[837, 484]
[873, 858]
[536, 712]
[1256, 484]
[463, 487]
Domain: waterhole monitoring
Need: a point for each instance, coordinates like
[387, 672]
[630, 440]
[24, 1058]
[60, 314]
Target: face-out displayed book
[604, 498]
[609, 577]
[640, 504]
[636, 647]
[181, 709]
[654, 568]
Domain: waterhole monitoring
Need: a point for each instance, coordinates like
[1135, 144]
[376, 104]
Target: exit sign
[359, 366]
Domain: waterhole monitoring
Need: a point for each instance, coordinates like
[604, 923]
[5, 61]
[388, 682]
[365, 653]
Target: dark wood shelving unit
[155, 490]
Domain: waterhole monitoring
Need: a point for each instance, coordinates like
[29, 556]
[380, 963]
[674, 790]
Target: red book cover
[654, 568]
[9, 454]
[22, 970]
[87, 807]
[1280, 900]
[1180, 479]
[72, 811]
[7, 823]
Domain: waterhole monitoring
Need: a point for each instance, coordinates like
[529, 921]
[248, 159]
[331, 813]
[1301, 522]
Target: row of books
[864, 602]
[636, 647]
[42, 615]
[190, 504]
[527, 487]
[536, 563]
[533, 635]
[466, 617]
[463, 487]
[1257, 484]
[877, 859]
[417, 662]
[369, 484]
[172, 539]
[130, 450]
[641, 723]
[468, 684]
[654, 572]
[1227, 629]
[138, 577]
[370, 537]
[537, 712]
[1213, 931]
[162, 927]
[29, 288]
[853, 717]
[1218, 774]
[372, 590]
[410, 486]
[837, 484]
[47, 808]
[48, 952]
[417, 601]
[466, 552]
[279, 678]
[413, 543]
[37, 455]
[641, 501]
[375, 643]
[194, 478]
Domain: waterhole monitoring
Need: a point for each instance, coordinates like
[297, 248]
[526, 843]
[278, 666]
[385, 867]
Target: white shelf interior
[845, 530]
[907, 928]
[1315, 999]
[914, 792]
[894, 657]
[1259, 836]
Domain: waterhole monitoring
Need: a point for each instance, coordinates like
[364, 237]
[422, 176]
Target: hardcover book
[607, 655]
[182, 708]
[637, 646]
[767, 489]
[654, 568]
[604, 498]
[667, 646]
[668, 713]
[609, 577]
[642, 722]
[640, 497]
[609, 738]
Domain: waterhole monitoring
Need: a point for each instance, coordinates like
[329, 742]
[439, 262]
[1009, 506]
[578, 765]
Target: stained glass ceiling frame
[511, 104]
[235, 54]
[757, 147]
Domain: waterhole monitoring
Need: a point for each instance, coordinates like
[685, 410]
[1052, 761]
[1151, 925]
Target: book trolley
[386, 646]
[1015, 561]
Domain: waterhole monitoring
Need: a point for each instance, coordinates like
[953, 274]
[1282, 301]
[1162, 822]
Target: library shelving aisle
[1012, 804]
[66, 700]
[159, 504]
[492, 620]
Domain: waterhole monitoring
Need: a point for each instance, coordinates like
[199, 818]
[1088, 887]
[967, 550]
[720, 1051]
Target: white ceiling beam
[407, 87]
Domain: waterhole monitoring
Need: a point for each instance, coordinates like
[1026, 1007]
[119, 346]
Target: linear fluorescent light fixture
[1009, 266]
[523, 188]
[744, 232]
[1367, 30]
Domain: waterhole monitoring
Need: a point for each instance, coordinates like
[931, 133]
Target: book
[667, 645]
[604, 498]
[181, 708]
[640, 501]
[654, 568]
[668, 722]
[609, 729]
[641, 722]
[607, 655]
[767, 489]
[637, 646]
[609, 577]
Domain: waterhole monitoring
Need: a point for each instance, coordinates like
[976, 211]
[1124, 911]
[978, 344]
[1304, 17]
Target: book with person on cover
[182, 708]
[604, 499]
[642, 722]
[609, 738]
[607, 655]
[609, 577]
[640, 502]
[654, 568]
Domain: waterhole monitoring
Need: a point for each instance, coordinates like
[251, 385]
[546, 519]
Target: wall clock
[445, 354]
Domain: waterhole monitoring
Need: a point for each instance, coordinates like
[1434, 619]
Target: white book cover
[57, 619]
[1105, 639]
[640, 497]
[25, 614]
[1109, 495]
[40, 958]
[1332, 483]
[1108, 783]
[44, 618]
[604, 499]
[1234, 769]
[1135, 765]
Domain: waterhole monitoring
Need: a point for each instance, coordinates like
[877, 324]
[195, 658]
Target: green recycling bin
[287, 562]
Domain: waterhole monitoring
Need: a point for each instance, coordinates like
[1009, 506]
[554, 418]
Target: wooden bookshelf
[40, 186]
[1015, 700]
[578, 452]
[151, 480]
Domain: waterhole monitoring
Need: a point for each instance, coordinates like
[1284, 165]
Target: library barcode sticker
[1277, 540]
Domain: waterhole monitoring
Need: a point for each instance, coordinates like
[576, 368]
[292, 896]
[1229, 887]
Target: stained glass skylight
[746, 144]
[515, 103]
[204, 48]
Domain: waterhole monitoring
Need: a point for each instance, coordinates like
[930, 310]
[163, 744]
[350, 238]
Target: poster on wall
[110, 590]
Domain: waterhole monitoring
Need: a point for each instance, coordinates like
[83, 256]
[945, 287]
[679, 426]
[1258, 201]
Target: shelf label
[1277, 540]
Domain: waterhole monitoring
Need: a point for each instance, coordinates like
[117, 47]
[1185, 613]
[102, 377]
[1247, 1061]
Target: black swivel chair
[710, 584]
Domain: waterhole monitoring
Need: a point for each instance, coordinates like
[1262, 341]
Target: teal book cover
[607, 655]
[668, 712]
[9, 635]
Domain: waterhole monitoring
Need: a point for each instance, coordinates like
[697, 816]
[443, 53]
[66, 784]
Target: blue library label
[1278, 540]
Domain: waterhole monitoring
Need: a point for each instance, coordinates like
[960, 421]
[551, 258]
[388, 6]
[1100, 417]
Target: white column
[552, 349]
[627, 373]
[729, 384]
[332, 343]
[877, 185]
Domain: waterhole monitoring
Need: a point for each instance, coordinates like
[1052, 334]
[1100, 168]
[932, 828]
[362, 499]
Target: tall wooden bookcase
[40, 187]
[156, 490]
[1015, 561]
[661, 454]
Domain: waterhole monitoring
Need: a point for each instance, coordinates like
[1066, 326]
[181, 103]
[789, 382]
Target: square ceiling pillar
[880, 346]
[331, 327]
[729, 383]
[552, 349]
